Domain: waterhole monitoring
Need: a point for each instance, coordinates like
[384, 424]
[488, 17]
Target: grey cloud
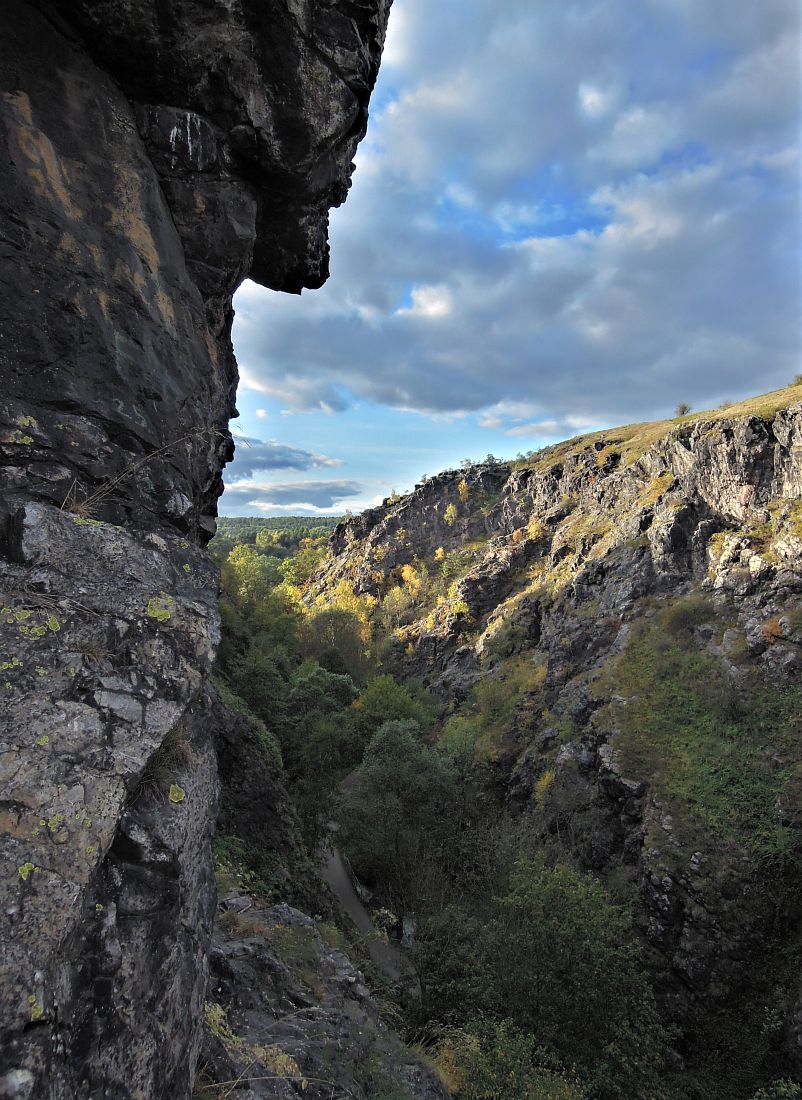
[255, 455]
[242, 499]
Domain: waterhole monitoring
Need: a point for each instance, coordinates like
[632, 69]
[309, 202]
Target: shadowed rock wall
[152, 155]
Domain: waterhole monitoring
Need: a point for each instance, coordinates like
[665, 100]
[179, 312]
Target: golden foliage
[535, 528]
[543, 787]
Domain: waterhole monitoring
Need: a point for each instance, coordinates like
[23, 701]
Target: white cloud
[544, 430]
[428, 301]
[639, 137]
[252, 456]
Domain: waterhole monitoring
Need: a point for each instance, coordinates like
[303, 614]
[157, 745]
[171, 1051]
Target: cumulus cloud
[558, 207]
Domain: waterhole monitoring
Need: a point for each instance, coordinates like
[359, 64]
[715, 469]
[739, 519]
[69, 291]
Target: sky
[566, 215]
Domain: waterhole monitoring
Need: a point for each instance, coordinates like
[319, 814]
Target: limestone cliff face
[605, 520]
[153, 155]
[535, 581]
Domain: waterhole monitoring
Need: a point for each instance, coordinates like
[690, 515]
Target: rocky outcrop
[604, 521]
[109, 799]
[290, 1012]
[153, 155]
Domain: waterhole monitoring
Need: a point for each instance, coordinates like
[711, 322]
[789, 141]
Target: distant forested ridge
[277, 531]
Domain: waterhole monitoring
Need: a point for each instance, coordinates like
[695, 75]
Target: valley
[570, 688]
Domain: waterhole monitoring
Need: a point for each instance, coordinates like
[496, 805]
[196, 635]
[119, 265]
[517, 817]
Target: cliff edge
[153, 155]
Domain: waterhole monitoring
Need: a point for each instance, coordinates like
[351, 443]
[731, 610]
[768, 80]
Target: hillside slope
[618, 623]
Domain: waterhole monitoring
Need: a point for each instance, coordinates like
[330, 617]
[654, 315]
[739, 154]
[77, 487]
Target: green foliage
[723, 755]
[260, 677]
[397, 601]
[384, 700]
[299, 568]
[397, 809]
[318, 745]
[495, 1060]
[250, 575]
[494, 700]
[458, 741]
[334, 638]
[257, 868]
[681, 616]
[779, 1090]
[278, 535]
[554, 955]
[238, 705]
[292, 671]
[343, 598]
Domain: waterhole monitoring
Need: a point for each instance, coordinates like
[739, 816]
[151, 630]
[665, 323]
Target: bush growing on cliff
[556, 957]
[681, 616]
[394, 608]
[494, 1060]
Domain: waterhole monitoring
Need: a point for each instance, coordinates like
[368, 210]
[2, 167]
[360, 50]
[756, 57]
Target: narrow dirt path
[388, 958]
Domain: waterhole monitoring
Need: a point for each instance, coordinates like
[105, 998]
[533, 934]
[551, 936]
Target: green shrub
[554, 955]
[385, 700]
[238, 705]
[399, 809]
[494, 1060]
[779, 1090]
[723, 755]
[681, 616]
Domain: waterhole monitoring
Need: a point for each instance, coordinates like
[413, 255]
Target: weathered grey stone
[289, 999]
